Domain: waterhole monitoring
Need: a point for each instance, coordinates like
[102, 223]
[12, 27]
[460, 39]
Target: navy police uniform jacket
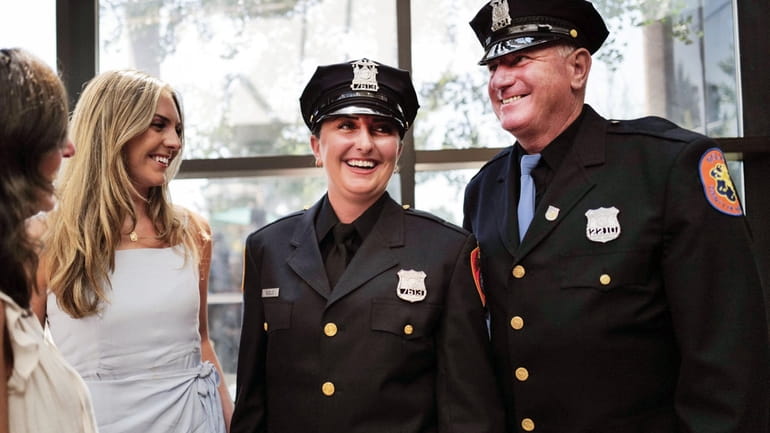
[633, 303]
[361, 358]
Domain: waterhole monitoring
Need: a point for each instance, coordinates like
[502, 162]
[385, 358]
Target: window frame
[77, 51]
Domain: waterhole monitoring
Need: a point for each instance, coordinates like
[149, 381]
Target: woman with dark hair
[39, 392]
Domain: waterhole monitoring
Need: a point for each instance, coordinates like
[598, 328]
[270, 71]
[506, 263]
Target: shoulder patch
[717, 185]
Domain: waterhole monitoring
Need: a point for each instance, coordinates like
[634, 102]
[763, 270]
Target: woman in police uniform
[361, 315]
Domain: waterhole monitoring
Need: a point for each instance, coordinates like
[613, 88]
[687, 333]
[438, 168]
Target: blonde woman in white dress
[128, 271]
[39, 392]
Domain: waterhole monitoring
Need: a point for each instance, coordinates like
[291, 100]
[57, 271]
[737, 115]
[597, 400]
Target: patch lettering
[717, 185]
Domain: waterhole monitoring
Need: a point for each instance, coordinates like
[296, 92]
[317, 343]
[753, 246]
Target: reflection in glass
[240, 66]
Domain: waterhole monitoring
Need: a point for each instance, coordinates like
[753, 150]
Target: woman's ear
[315, 146]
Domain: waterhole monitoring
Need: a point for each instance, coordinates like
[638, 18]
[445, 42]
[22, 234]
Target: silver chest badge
[501, 17]
[603, 225]
[411, 285]
[365, 76]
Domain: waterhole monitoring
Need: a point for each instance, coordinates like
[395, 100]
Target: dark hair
[33, 122]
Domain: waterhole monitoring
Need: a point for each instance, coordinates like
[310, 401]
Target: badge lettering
[603, 225]
[501, 17]
[365, 76]
[411, 285]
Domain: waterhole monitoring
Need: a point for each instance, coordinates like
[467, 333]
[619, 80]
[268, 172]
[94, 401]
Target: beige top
[45, 394]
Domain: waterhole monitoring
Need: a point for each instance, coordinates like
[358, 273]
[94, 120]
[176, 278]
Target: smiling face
[149, 154]
[537, 93]
[359, 154]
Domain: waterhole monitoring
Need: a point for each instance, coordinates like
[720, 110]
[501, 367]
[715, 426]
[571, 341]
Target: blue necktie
[527, 193]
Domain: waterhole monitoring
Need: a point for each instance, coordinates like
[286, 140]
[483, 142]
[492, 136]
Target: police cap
[507, 26]
[359, 87]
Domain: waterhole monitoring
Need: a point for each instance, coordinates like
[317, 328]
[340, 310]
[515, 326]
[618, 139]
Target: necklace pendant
[133, 236]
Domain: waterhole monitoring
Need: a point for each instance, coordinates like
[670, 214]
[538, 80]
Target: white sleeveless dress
[140, 356]
[45, 395]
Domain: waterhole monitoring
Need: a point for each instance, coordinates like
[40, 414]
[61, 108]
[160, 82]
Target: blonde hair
[96, 191]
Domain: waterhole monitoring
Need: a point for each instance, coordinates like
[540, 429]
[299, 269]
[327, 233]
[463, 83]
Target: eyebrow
[166, 119]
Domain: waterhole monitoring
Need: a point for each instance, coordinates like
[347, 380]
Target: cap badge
[411, 285]
[603, 225]
[365, 75]
[501, 17]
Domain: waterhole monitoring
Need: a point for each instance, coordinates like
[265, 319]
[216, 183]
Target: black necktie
[340, 254]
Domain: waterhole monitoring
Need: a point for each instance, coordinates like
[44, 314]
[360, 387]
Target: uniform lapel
[375, 255]
[571, 181]
[505, 205]
[306, 259]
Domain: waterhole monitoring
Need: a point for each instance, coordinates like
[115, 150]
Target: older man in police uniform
[623, 294]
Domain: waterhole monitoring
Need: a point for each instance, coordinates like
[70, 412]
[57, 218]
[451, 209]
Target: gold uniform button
[573, 33]
[330, 329]
[264, 325]
[518, 271]
[522, 374]
[605, 279]
[527, 424]
[408, 329]
[517, 323]
[328, 389]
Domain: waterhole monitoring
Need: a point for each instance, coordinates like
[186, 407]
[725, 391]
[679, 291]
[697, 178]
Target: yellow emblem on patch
[717, 185]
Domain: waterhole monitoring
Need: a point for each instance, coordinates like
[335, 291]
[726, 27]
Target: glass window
[30, 25]
[452, 87]
[441, 192]
[672, 59]
[241, 66]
